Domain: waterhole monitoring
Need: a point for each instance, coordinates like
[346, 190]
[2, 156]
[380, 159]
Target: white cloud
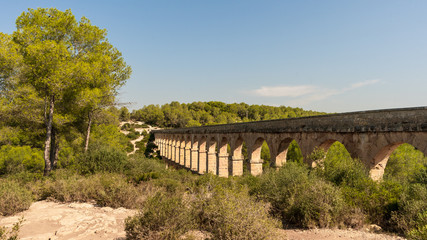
[364, 83]
[305, 94]
[285, 91]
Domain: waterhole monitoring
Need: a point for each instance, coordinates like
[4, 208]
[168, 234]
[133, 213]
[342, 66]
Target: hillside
[177, 114]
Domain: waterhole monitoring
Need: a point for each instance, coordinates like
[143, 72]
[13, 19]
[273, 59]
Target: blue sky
[333, 56]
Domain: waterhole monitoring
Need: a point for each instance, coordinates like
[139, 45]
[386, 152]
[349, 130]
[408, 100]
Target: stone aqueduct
[370, 136]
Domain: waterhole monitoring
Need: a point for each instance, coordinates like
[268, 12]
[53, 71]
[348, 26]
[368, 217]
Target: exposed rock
[50, 220]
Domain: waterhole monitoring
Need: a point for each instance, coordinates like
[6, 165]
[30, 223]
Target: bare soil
[337, 234]
[51, 220]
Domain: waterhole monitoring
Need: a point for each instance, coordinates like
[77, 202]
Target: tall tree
[64, 60]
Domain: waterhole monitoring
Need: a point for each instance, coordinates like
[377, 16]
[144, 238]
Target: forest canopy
[175, 114]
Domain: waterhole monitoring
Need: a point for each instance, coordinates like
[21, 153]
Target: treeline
[175, 114]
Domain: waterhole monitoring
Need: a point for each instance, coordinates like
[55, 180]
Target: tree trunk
[47, 143]
[55, 156]
[88, 131]
[54, 152]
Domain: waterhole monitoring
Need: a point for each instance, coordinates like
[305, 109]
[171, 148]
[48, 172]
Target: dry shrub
[164, 216]
[13, 197]
[233, 214]
[106, 189]
[223, 212]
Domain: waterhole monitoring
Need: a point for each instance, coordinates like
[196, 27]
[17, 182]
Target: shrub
[230, 213]
[126, 127]
[139, 168]
[13, 197]
[412, 202]
[15, 159]
[164, 216]
[102, 159]
[129, 147]
[341, 169]
[151, 150]
[106, 189]
[132, 135]
[405, 163]
[316, 204]
[419, 232]
[215, 205]
[300, 198]
[294, 153]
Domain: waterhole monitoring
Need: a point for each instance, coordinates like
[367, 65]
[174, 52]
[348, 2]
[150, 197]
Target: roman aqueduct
[370, 136]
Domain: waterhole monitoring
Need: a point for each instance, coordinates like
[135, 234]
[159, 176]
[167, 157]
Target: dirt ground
[49, 220]
[337, 234]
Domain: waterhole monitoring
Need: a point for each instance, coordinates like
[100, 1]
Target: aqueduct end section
[370, 136]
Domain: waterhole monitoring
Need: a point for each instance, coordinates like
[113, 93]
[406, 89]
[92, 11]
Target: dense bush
[102, 159]
[15, 159]
[301, 199]
[132, 135]
[106, 189]
[419, 231]
[163, 216]
[139, 168]
[411, 202]
[225, 212]
[405, 164]
[13, 197]
[339, 168]
[230, 213]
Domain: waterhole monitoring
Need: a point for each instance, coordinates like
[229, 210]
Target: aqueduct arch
[370, 136]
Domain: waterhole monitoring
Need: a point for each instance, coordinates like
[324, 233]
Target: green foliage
[412, 201]
[318, 156]
[14, 159]
[13, 197]
[341, 169]
[108, 135]
[132, 135]
[163, 216]
[265, 155]
[102, 159]
[213, 205]
[57, 75]
[124, 114]
[129, 147]
[176, 114]
[419, 232]
[139, 169]
[405, 163]
[230, 213]
[294, 153]
[299, 198]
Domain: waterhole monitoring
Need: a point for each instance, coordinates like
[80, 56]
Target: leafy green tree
[124, 114]
[64, 60]
[152, 114]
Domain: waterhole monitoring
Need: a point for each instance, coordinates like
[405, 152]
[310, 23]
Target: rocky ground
[50, 220]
